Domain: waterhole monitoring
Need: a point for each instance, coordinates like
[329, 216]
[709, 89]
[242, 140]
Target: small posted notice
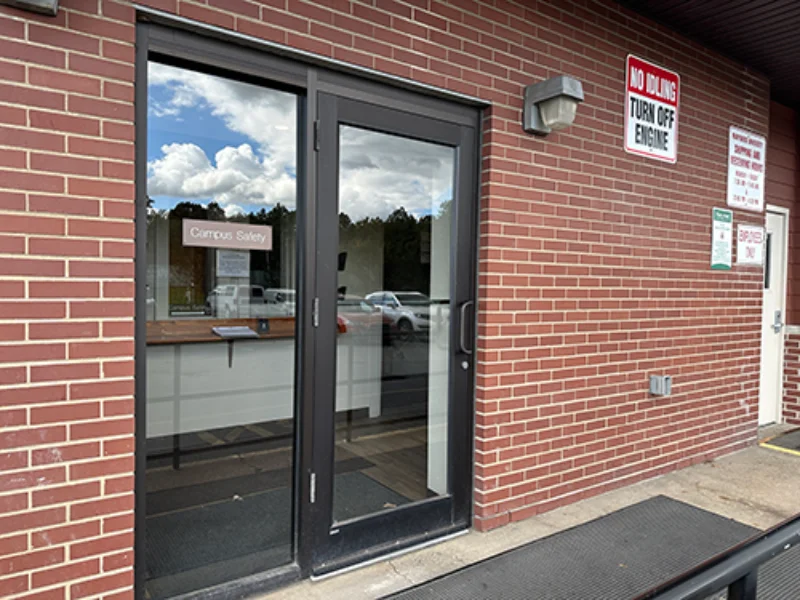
[747, 156]
[721, 239]
[750, 245]
[233, 263]
[651, 110]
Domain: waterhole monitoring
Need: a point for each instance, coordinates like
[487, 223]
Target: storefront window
[221, 296]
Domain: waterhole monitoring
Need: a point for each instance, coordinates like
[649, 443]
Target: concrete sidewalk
[756, 486]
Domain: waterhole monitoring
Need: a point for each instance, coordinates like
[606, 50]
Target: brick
[70, 572]
[95, 508]
[123, 32]
[67, 289]
[13, 418]
[15, 94]
[60, 38]
[101, 389]
[68, 82]
[65, 413]
[64, 533]
[12, 72]
[103, 468]
[33, 182]
[100, 189]
[66, 123]
[53, 594]
[119, 210]
[101, 270]
[25, 52]
[100, 228]
[22, 522]
[118, 561]
[101, 309]
[28, 479]
[31, 352]
[61, 454]
[118, 91]
[64, 205]
[205, 15]
[31, 267]
[58, 330]
[122, 111]
[12, 201]
[11, 289]
[13, 502]
[23, 138]
[104, 545]
[99, 585]
[79, 350]
[13, 544]
[120, 485]
[65, 248]
[10, 461]
[11, 375]
[32, 310]
[66, 494]
[33, 395]
[68, 371]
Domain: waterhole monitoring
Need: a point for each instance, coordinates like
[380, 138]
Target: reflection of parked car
[236, 301]
[408, 311]
[281, 299]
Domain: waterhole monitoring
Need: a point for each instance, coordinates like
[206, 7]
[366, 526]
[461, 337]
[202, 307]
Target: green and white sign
[722, 239]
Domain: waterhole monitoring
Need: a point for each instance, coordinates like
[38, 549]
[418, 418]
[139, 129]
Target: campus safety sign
[652, 96]
[747, 159]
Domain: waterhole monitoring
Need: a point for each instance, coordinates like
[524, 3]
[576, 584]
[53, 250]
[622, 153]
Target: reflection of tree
[404, 238]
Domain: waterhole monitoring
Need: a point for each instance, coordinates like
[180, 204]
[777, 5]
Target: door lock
[777, 324]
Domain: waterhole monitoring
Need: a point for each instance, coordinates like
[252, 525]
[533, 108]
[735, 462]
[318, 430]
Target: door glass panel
[221, 294]
[393, 321]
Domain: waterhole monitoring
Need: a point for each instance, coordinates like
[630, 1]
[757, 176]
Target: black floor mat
[790, 441]
[230, 539]
[615, 557]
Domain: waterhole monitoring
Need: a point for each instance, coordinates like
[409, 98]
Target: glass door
[392, 453]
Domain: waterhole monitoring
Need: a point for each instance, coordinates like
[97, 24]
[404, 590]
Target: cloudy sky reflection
[215, 139]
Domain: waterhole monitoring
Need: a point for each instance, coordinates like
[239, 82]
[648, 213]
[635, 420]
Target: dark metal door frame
[216, 52]
[360, 540]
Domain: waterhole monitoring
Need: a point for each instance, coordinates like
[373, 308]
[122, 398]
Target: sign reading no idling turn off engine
[651, 110]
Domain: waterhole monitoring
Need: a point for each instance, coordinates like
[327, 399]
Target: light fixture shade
[45, 7]
[558, 113]
[551, 104]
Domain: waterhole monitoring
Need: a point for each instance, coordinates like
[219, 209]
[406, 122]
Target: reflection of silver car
[409, 311]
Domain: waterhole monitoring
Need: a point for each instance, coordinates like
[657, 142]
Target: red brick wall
[594, 268]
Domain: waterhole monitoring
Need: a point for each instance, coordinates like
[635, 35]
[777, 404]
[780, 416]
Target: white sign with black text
[233, 263]
[747, 158]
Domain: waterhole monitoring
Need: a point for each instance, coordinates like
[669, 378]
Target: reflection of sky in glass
[211, 139]
[215, 139]
[380, 173]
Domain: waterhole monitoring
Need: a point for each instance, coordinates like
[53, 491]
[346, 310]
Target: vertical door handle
[462, 325]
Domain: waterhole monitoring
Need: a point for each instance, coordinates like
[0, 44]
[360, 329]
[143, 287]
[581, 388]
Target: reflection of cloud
[380, 173]
[266, 116]
[233, 210]
[185, 171]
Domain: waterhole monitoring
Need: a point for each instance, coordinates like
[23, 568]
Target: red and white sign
[651, 110]
[750, 245]
[747, 158]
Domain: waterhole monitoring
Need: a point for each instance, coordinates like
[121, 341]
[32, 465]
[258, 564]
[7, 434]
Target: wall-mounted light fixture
[551, 105]
[45, 7]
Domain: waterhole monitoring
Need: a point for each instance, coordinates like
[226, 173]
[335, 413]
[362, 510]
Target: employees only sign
[651, 110]
[750, 245]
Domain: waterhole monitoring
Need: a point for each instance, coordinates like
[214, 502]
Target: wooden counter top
[198, 331]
